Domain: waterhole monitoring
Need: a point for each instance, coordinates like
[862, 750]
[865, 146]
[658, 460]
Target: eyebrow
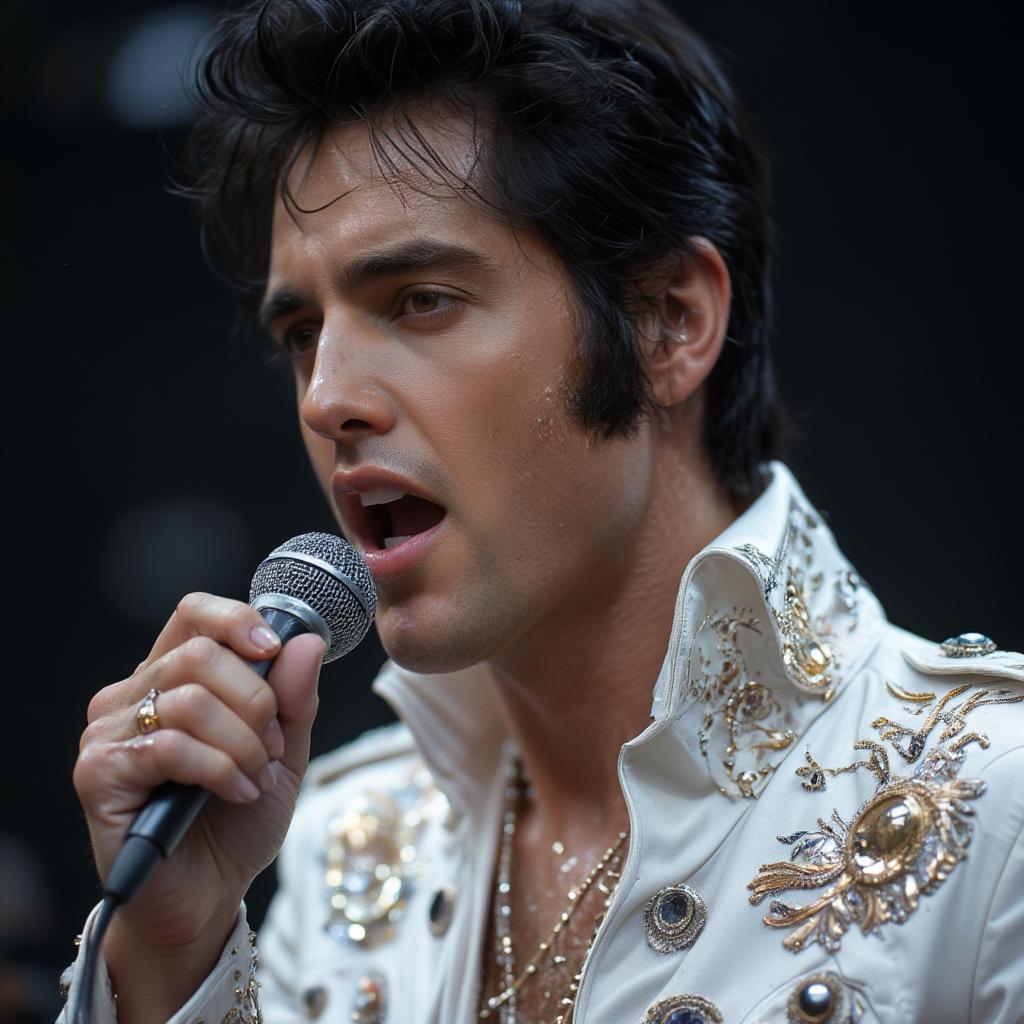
[416, 254]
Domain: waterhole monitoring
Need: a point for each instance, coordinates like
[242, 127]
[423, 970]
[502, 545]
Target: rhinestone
[675, 908]
[442, 910]
[967, 645]
[816, 1001]
[820, 999]
[684, 1016]
[673, 918]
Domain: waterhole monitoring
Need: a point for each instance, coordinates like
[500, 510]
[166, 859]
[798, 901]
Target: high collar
[770, 622]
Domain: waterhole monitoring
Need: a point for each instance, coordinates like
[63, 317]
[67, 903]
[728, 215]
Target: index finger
[231, 623]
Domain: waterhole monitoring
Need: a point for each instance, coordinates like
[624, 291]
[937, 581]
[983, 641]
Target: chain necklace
[505, 1001]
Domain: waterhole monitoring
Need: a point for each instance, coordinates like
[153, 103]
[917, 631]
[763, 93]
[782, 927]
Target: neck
[581, 684]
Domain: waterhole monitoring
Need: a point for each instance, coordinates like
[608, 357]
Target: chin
[432, 644]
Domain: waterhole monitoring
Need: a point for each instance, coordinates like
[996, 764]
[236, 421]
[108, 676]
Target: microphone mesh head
[346, 605]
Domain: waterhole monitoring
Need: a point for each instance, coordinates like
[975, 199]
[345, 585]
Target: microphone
[313, 583]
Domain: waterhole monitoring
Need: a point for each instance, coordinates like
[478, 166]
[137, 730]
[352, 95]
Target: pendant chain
[504, 1003]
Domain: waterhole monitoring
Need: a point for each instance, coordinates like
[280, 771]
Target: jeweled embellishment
[810, 661]
[683, 1009]
[805, 653]
[901, 844]
[369, 1005]
[442, 910]
[820, 999]
[968, 645]
[673, 918]
[372, 858]
[315, 1002]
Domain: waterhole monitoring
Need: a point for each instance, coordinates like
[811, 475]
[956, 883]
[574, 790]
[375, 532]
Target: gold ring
[146, 717]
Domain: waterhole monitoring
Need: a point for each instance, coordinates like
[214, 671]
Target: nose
[344, 397]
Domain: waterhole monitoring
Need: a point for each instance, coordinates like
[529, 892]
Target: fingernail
[266, 778]
[264, 637]
[273, 740]
[246, 790]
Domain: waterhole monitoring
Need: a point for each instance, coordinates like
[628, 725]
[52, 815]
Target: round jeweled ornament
[673, 918]
[819, 999]
[442, 910]
[370, 1003]
[315, 1002]
[683, 1009]
[887, 835]
[968, 645]
[372, 858]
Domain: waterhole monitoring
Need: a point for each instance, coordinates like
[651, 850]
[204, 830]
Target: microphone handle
[173, 806]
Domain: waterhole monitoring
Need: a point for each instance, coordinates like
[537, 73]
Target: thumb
[294, 678]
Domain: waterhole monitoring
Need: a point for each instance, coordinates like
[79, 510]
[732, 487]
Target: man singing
[661, 759]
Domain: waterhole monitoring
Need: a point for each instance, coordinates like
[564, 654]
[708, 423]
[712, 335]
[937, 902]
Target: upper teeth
[380, 496]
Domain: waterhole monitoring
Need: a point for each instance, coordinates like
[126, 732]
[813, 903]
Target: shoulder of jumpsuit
[781, 667]
[376, 816]
[947, 730]
[982, 686]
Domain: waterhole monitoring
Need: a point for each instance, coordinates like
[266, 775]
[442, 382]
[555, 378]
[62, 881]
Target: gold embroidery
[954, 721]
[877, 764]
[912, 698]
[903, 842]
[742, 720]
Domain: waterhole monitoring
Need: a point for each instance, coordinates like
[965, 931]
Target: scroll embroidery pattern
[900, 844]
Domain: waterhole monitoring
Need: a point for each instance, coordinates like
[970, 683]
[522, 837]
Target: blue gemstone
[973, 638]
[684, 1016]
[816, 1001]
[675, 907]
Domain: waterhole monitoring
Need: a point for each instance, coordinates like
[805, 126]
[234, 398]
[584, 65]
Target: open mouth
[393, 517]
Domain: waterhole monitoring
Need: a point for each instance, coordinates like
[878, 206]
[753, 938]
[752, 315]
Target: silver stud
[673, 918]
[819, 999]
[968, 645]
[442, 910]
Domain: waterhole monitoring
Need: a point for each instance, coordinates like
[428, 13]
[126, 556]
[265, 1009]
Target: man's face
[433, 349]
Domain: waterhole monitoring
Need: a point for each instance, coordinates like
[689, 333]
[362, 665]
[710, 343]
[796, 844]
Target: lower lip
[390, 563]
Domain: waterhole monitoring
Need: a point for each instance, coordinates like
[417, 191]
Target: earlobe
[683, 346]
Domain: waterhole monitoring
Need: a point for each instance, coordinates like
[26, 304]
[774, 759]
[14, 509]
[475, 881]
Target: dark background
[152, 451]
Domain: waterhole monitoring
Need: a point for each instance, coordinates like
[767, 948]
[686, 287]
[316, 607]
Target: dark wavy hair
[606, 125]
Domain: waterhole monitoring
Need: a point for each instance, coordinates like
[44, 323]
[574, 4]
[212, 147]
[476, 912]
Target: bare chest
[541, 927]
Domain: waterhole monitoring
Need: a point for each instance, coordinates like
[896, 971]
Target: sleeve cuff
[227, 996]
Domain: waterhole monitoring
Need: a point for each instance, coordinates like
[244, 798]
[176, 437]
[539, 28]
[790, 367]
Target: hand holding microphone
[222, 729]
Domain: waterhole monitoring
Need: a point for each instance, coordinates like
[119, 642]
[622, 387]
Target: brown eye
[424, 302]
[300, 338]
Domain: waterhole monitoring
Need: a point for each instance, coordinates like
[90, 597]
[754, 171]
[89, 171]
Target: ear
[682, 341]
